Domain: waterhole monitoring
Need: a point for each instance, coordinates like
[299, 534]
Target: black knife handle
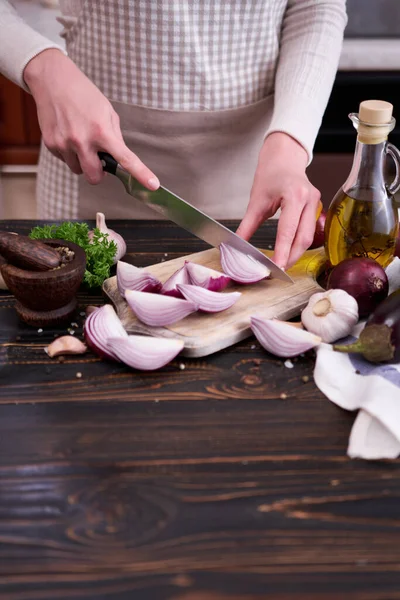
[109, 163]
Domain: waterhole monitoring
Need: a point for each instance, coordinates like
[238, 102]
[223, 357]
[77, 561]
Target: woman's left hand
[281, 182]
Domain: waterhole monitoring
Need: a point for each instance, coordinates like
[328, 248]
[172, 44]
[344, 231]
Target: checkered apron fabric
[177, 55]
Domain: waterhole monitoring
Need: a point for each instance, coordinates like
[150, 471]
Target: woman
[220, 100]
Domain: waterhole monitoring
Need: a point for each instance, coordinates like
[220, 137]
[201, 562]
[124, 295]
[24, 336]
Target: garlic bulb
[112, 235]
[331, 315]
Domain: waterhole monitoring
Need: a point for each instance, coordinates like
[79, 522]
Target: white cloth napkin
[374, 390]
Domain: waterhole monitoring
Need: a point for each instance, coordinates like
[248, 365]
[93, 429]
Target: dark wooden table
[225, 480]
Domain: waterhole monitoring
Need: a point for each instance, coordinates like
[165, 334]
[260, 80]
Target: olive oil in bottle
[362, 220]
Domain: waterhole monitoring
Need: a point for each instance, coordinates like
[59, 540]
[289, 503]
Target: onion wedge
[207, 278]
[241, 267]
[169, 288]
[206, 300]
[143, 352]
[282, 339]
[156, 310]
[99, 326]
[130, 277]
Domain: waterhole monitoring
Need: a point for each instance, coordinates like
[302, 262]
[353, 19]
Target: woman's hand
[281, 182]
[77, 120]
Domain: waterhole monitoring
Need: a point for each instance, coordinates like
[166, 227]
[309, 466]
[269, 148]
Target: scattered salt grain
[182, 367]
[82, 314]
[74, 325]
[283, 396]
[288, 364]
[252, 347]
[79, 375]
[166, 254]
[71, 331]
[305, 379]
[40, 330]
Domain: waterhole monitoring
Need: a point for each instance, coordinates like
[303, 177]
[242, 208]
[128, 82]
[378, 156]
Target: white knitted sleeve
[19, 44]
[311, 43]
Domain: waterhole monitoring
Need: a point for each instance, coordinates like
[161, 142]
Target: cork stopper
[374, 121]
[375, 112]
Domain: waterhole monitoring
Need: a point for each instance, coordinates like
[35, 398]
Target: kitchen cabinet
[19, 128]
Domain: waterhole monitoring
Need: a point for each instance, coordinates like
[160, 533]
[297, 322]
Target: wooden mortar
[47, 298]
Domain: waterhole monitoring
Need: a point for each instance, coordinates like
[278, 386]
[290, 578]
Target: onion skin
[319, 235]
[362, 278]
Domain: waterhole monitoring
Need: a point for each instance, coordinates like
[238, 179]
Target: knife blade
[188, 217]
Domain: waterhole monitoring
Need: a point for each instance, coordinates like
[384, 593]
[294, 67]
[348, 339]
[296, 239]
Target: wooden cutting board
[205, 334]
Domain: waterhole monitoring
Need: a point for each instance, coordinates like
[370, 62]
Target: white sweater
[239, 51]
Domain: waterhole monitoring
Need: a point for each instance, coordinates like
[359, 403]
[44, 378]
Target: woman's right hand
[77, 120]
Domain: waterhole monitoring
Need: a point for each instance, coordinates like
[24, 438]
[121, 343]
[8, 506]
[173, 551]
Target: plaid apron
[192, 81]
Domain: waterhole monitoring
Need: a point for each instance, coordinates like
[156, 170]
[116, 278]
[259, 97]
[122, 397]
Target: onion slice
[156, 310]
[242, 268]
[204, 277]
[207, 300]
[100, 325]
[282, 339]
[143, 352]
[130, 277]
[169, 288]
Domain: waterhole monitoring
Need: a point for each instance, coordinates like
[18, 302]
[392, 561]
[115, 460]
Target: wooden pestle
[25, 253]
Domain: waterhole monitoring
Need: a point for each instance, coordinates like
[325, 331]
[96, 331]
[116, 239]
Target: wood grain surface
[205, 334]
[223, 480]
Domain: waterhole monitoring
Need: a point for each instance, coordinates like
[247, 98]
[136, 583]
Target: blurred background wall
[369, 68]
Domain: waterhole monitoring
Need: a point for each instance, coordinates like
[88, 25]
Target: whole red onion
[362, 278]
[319, 235]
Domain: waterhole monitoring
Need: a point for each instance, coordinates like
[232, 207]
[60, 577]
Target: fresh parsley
[100, 251]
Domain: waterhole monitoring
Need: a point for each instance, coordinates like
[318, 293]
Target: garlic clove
[66, 344]
[112, 235]
[331, 315]
[281, 338]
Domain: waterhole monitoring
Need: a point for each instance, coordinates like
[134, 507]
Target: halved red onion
[242, 268]
[169, 287]
[130, 277]
[156, 310]
[282, 339]
[204, 277]
[143, 352]
[207, 300]
[99, 326]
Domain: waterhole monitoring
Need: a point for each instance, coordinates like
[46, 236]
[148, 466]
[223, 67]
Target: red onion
[144, 352]
[206, 300]
[362, 278]
[130, 277]
[281, 338]
[156, 310]
[100, 325]
[241, 267]
[319, 235]
[207, 278]
[169, 287]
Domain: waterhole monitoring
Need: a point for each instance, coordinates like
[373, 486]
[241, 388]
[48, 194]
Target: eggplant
[379, 341]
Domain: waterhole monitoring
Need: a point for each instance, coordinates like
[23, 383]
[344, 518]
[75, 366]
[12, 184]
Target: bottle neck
[367, 172]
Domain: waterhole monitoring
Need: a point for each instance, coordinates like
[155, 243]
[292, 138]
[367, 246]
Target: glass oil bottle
[362, 219]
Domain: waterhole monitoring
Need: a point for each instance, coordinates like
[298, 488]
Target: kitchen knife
[187, 216]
